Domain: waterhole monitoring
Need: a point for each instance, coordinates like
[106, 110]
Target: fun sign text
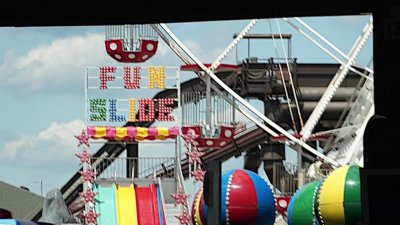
[129, 108]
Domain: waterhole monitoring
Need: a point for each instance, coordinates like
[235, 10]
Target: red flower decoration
[84, 156]
[180, 198]
[184, 218]
[90, 217]
[88, 196]
[83, 138]
[198, 174]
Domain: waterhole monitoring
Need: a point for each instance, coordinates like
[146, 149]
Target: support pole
[132, 154]
[212, 192]
[208, 102]
[300, 173]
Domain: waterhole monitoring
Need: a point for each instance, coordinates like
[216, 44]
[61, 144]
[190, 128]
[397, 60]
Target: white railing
[142, 167]
[131, 34]
[162, 198]
[286, 180]
[181, 181]
[194, 109]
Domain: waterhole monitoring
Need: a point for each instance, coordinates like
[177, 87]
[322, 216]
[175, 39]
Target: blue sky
[42, 83]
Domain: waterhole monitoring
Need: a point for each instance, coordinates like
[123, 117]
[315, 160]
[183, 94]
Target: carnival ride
[334, 200]
[246, 198]
[128, 204]
[335, 106]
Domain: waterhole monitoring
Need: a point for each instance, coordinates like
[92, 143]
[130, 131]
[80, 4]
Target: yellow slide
[126, 205]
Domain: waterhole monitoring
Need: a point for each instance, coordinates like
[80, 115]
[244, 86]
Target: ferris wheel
[138, 43]
[343, 144]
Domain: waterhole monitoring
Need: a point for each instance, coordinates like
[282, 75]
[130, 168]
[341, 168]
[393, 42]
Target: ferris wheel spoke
[335, 83]
[244, 102]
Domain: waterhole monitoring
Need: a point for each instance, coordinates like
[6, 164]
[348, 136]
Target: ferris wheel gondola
[131, 43]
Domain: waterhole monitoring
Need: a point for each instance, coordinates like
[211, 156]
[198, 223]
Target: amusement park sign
[110, 93]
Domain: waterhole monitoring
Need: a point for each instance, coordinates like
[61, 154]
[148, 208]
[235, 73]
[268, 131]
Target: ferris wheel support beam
[335, 83]
[244, 102]
[343, 64]
[239, 37]
[217, 62]
[328, 42]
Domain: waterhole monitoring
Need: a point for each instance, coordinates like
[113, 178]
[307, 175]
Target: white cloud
[163, 49]
[54, 146]
[203, 50]
[165, 56]
[58, 65]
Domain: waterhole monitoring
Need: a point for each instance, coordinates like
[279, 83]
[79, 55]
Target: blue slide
[105, 206]
[160, 207]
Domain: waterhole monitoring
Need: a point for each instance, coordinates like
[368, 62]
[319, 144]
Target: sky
[42, 84]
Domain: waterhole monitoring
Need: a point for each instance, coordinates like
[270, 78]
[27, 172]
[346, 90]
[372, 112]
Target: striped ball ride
[246, 199]
[338, 200]
[301, 205]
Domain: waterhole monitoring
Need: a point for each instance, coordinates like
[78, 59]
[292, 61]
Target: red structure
[282, 203]
[217, 138]
[131, 43]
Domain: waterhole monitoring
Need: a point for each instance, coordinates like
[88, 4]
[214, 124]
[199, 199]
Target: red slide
[146, 204]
